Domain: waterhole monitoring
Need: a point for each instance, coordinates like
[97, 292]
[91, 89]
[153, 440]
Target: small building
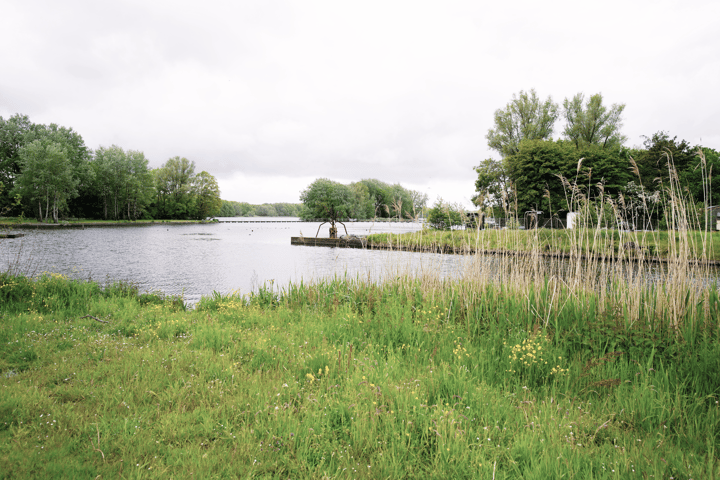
[714, 217]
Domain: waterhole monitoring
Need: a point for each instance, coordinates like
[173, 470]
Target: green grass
[347, 379]
[607, 243]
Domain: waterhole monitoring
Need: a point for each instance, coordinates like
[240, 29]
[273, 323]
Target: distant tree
[526, 117]
[381, 196]
[701, 177]
[444, 215]
[266, 210]
[401, 202]
[419, 202]
[493, 186]
[47, 179]
[660, 156]
[139, 187]
[363, 205]
[206, 193]
[328, 201]
[537, 168]
[244, 209]
[173, 182]
[111, 168]
[592, 123]
[13, 136]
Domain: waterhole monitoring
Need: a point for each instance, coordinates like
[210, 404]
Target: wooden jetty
[351, 242]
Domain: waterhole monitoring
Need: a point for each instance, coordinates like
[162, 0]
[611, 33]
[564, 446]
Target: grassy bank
[9, 222]
[603, 243]
[412, 378]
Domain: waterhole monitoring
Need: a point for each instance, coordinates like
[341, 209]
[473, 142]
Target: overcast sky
[268, 95]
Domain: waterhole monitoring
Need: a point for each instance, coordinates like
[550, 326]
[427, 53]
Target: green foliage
[493, 186]
[173, 187]
[47, 179]
[444, 215]
[538, 169]
[343, 378]
[387, 201]
[122, 184]
[206, 191]
[243, 209]
[13, 132]
[526, 117]
[327, 201]
[592, 123]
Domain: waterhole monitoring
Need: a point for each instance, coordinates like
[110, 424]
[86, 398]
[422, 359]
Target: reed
[512, 366]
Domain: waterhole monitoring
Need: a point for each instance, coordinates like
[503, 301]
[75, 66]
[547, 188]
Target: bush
[444, 216]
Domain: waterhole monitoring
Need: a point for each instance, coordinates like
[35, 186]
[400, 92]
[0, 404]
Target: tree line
[537, 172]
[47, 172]
[231, 208]
[370, 198]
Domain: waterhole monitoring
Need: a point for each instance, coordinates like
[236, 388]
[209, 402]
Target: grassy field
[600, 242]
[519, 376]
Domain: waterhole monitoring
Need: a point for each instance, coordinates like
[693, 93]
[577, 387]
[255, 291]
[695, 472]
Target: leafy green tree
[701, 177]
[419, 203]
[538, 169]
[444, 215]
[173, 183]
[139, 188]
[381, 196]
[660, 156]
[206, 191]
[493, 186]
[363, 205]
[111, 168]
[13, 136]
[328, 201]
[47, 179]
[534, 171]
[266, 210]
[526, 117]
[592, 123]
[401, 205]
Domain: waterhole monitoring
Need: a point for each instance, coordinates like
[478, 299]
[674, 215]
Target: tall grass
[350, 379]
[517, 366]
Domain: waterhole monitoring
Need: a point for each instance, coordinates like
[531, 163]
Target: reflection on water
[195, 260]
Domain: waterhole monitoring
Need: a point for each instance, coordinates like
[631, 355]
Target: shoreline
[103, 223]
[364, 243]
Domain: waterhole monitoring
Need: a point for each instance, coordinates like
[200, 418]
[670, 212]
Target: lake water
[195, 260]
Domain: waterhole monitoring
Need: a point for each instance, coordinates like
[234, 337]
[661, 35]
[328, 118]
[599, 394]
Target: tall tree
[173, 184]
[493, 186]
[592, 123]
[207, 195]
[537, 168]
[526, 117]
[47, 179]
[363, 205]
[419, 202]
[13, 135]
[327, 200]
[381, 195]
[111, 168]
[139, 187]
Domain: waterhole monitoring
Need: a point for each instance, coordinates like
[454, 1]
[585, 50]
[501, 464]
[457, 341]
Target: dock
[352, 242]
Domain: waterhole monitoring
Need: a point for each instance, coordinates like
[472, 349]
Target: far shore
[82, 223]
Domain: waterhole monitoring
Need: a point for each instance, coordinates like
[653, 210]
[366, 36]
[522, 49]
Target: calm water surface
[195, 260]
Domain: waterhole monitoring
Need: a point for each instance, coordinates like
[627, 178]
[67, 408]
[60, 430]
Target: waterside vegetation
[604, 244]
[511, 370]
